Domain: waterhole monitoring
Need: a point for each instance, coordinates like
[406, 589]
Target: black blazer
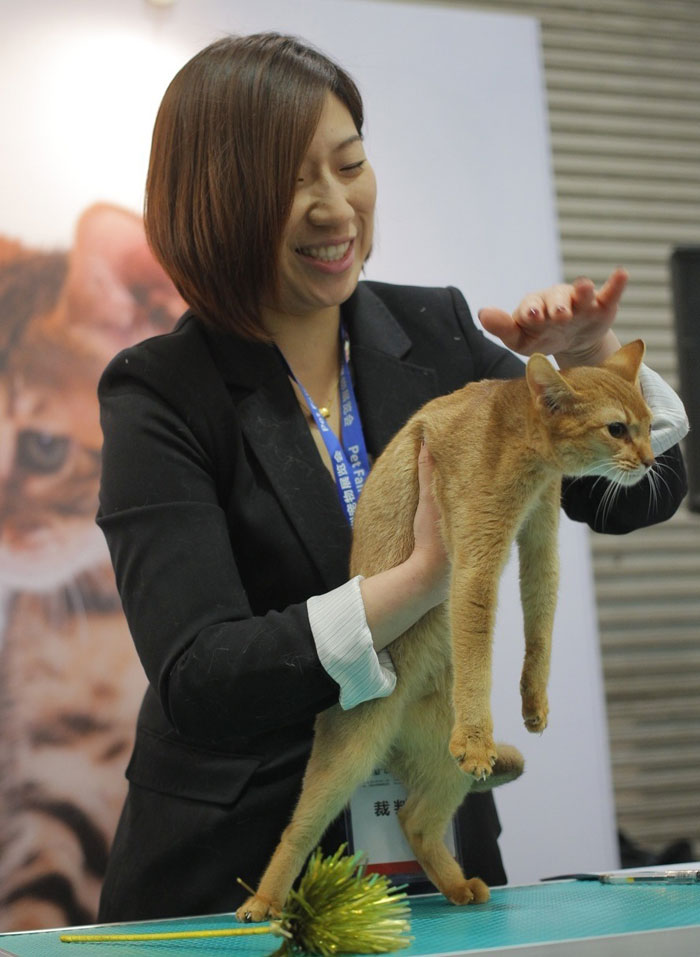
[221, 521]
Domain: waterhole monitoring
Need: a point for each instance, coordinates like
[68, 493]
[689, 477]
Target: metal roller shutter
[623, 89]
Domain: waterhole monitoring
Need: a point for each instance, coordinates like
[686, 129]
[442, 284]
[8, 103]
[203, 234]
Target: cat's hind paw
[474, 753]
[535, 712]
[471, 891]
[257, 909]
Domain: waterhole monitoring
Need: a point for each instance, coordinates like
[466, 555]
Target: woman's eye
[617, 429]
[353, 167]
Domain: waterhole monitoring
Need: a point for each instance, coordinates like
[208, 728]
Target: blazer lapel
[277, 433]
[388, 386]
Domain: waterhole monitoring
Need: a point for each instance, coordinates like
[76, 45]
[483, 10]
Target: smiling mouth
[326, 254]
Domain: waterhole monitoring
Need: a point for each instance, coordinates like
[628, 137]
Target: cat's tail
[509, 765]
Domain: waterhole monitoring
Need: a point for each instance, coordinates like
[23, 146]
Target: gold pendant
[325, 412]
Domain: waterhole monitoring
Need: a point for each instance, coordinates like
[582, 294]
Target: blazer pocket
[179, 770]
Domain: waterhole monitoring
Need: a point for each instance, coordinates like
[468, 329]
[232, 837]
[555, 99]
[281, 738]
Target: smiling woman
[229, 538]
[328, 234]
[217, 199]
[325, 242]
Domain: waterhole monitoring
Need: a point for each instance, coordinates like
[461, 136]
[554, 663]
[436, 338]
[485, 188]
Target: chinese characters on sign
[376, 830]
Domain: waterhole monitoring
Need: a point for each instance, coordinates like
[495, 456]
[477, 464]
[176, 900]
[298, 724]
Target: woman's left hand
[569, 321]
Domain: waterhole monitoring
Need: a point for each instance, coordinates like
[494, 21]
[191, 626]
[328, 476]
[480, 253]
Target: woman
[227, 516]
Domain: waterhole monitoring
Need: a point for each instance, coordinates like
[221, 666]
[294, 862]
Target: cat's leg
[436, 787]
[473, 596]
[539, 580]
[347, 747]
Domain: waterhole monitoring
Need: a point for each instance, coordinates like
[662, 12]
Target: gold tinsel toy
[337, 909]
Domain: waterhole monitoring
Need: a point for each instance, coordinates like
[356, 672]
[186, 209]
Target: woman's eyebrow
[351, 139]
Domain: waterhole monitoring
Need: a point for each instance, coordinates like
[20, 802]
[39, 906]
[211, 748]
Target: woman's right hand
[429, 548]
[396, 598]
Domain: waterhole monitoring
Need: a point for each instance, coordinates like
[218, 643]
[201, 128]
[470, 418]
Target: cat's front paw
[256, 909]
[535, 711]
[474, 752]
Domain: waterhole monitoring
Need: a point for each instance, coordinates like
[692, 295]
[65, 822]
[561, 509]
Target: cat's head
[62, 317]
[50, 445]
[595, 418]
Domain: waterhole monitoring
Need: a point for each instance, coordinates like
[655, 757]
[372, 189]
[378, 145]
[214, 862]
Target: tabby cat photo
[70, 681]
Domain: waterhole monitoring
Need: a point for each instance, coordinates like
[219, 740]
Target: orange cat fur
[500, 450]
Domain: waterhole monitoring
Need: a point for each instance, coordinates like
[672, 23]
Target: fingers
[566, 317]
[425, 470]
[428, 542]
[610, 293]
[584, 294]
[427, 511]
[500, 324]
[561, 302]
[555, 304]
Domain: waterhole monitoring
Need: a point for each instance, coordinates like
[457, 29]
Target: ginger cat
[500, 450]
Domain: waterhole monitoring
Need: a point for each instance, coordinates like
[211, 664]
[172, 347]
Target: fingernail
[535, 313]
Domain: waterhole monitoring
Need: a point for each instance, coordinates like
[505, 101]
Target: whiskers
[656, 478]
[615, 477]
[619, 480]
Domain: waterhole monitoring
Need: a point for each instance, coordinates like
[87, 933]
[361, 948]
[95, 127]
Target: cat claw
[256, 909]
[536, 723]
[509, 766]
[474, 757]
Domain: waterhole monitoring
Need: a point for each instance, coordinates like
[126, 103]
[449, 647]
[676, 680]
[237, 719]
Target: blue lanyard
[349, 457]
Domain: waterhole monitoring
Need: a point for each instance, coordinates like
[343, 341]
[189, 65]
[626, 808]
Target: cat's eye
[617, 429]
[41, 452]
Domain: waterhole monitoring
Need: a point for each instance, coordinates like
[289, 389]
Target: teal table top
[513, 918]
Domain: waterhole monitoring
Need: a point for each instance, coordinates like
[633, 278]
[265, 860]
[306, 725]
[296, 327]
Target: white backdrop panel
[456, 129]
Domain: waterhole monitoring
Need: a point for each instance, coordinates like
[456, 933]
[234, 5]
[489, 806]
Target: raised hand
[571, 321]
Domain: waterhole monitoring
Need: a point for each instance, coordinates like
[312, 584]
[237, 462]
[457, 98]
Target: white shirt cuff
[344, 645]
[670, 422]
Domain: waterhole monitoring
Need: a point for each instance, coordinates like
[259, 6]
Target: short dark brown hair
[229, 138]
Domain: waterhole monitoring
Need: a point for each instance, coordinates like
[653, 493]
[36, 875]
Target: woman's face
[328, 234]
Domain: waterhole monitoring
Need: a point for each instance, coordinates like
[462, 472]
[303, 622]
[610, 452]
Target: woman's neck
[310, 344]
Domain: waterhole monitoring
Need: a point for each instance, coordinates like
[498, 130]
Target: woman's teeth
[325, 253]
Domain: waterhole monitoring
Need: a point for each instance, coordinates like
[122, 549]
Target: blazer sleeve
[607, 509]
[220, 671]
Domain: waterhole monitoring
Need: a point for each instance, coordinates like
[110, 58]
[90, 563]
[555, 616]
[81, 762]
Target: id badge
[373, 827]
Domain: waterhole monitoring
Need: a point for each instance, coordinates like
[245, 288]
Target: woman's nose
[330, 205]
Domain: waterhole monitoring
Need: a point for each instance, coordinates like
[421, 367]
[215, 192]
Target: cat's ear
[627, 360]
[11, 251]
[548, 388]
[116, 292]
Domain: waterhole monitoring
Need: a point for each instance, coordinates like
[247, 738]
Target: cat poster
[78, 283]
[70, 681]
